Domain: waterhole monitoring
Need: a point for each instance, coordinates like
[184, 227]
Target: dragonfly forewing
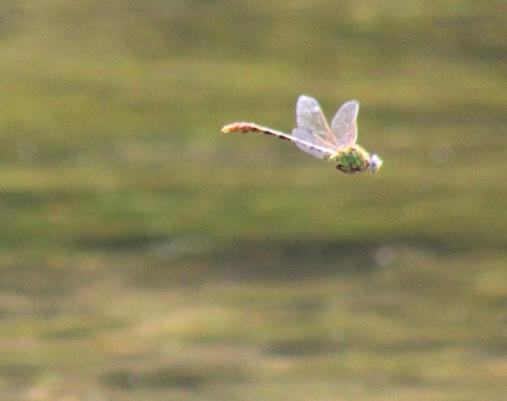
[344, 123]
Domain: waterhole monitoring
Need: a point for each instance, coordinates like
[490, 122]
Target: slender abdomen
[243, 127]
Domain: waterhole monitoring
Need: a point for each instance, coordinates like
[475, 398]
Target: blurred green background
[146, 256]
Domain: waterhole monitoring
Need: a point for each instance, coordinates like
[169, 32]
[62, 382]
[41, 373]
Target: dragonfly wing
[304, 139]
[309, 115]
[344, 123]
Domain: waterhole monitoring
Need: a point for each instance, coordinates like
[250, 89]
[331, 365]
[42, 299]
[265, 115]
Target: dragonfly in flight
[313, 135]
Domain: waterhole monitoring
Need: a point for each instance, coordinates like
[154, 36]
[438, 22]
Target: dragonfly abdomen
[243, 127]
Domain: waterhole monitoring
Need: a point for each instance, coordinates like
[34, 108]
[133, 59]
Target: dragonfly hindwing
[306, 135]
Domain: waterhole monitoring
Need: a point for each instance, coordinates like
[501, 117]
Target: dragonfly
[313, 135]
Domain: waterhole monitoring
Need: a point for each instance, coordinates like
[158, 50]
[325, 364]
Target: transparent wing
[309, 115]
[303, 137]
[344, 123]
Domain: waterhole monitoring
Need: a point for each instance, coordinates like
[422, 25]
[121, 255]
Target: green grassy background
[143, 255]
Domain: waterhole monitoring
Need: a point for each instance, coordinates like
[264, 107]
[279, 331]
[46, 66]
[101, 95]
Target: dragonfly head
[374, 163]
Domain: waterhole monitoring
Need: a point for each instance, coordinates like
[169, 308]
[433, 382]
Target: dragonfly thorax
[351, 160]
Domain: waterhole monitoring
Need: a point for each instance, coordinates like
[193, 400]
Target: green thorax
[350, 160]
